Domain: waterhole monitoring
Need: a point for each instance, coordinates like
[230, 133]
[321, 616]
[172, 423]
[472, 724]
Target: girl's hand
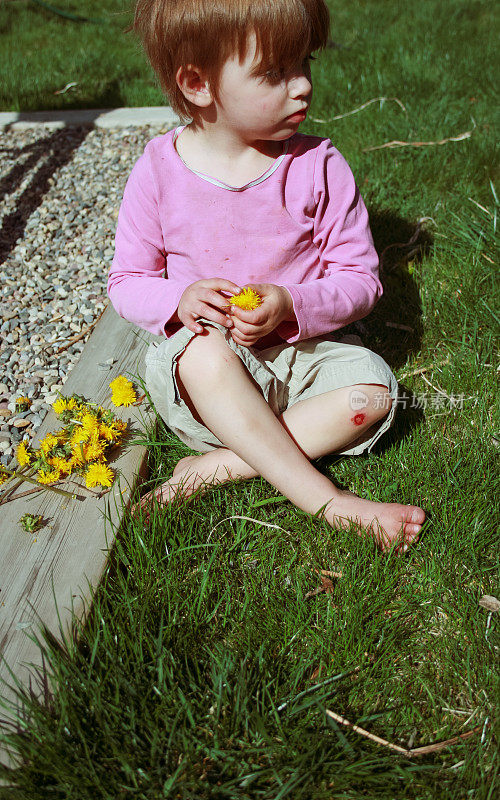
[202, 299]
[277, 306]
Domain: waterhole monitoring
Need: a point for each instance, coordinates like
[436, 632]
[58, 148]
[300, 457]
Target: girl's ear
[194, 86]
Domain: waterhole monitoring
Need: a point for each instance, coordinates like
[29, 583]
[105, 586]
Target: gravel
[60, 192]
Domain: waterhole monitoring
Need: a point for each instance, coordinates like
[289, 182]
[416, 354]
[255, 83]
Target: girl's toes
[415, 514]
[411, 529]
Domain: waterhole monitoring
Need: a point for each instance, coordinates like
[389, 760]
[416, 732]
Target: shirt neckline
[274, 166]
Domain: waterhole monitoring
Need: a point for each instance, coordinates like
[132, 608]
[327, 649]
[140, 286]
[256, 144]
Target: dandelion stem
[16, 474]
[10, 485]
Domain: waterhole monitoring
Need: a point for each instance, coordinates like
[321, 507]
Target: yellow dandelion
[247, 299]
[64, 466]
[120, 425]
[119, 382]
[48, 443]
[80, 434]
[23, 455]
[60, 405]
[79, 409]
[108, 432]
[98, 473]
[93, 449]
[71, 404]
[4, 476]
[48, 476]
[22, 403]
[89, 423]
[123, 392]
[77, 455]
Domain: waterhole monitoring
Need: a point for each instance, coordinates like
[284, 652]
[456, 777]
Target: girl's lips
[299, 116]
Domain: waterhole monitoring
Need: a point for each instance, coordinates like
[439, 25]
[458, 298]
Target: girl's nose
[299, 85]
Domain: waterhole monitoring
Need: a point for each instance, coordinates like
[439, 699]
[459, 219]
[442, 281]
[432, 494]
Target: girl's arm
[137, 286]
[350, 286]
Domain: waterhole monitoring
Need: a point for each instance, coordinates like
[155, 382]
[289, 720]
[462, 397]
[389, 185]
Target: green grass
[201, 628]
[41, 52]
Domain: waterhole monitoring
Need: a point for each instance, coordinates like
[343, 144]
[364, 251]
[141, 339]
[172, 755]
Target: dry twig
[425, 369]
[75, 339]
[396, 143]
[21, 494]
[400, 327]
[326, 582]
[414, 751]
[410, 241]
[436, 389]
[249, 519]
[360, 108]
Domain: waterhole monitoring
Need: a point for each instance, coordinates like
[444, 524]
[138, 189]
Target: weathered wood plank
[52, 566]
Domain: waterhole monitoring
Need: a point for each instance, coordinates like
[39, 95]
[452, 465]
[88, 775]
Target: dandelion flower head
[247, 299]
[108, 432]
[90, 424]
[23, 455]
[60, 405]
[80, 434]
[22, 403]
[64, 404]
[48, 476]
[62, 465]
[48, 443]
[94, 449]
[123, 393]
[98, 473]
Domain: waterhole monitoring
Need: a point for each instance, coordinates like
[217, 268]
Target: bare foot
[194, 472]
[387, 522]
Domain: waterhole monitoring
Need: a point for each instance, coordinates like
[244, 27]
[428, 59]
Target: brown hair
[206, 33]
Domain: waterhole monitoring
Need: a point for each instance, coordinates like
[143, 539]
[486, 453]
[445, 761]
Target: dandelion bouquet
[81, 446]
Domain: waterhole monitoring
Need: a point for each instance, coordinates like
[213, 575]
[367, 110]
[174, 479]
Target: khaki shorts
[286, 374]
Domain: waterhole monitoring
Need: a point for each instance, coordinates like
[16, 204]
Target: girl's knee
[369, 403]
[206, 354]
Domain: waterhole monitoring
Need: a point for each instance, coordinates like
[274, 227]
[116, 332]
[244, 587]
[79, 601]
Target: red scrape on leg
[358, 419]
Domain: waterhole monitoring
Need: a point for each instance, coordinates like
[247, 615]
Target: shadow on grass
[394, 328]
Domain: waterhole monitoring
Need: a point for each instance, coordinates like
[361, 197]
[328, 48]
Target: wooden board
[51, 568]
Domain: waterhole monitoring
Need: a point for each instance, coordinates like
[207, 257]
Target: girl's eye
[275, 75]
[278, 75]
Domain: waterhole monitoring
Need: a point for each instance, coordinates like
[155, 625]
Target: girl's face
[262, 107]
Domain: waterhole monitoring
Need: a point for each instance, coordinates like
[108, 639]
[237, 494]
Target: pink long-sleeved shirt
[302, 225]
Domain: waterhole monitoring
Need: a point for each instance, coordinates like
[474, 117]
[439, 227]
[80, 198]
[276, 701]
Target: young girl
[238, 198]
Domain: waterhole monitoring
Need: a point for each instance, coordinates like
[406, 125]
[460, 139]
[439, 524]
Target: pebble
[21, 423]
[53, 276]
